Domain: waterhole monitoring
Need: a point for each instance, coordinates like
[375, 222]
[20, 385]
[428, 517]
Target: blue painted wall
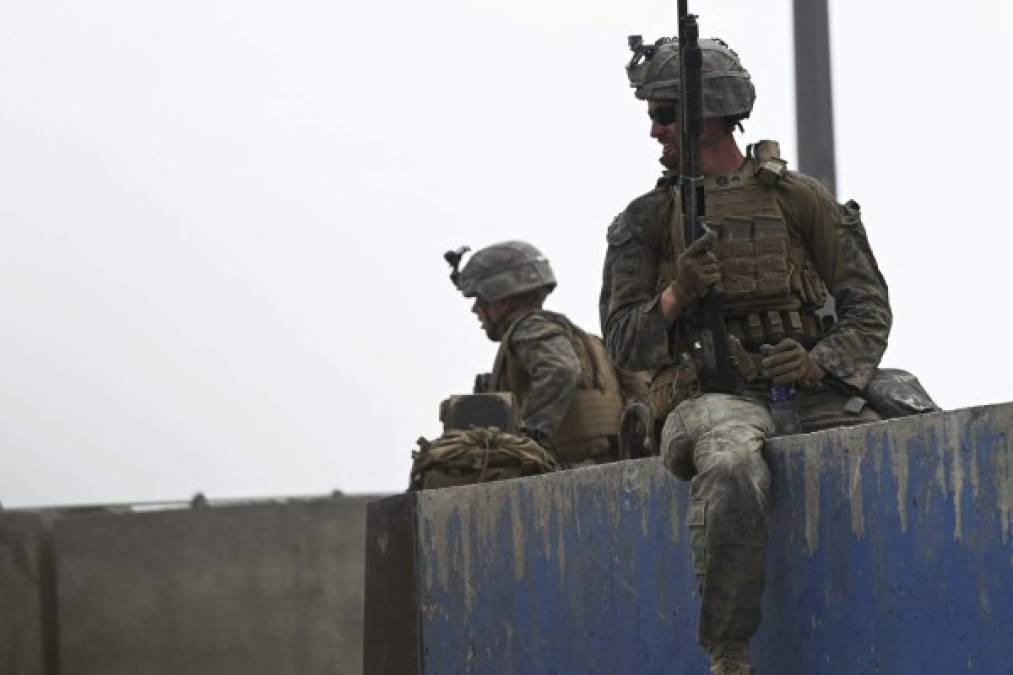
[890, 553]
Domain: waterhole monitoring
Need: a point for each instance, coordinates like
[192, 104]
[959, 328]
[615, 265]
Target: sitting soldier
[571, 396]
[777, 245]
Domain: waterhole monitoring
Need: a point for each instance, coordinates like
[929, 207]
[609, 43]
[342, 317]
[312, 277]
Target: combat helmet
[727, 90]
[502, 270]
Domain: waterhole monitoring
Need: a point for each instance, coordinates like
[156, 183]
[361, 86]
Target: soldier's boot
[730, 658]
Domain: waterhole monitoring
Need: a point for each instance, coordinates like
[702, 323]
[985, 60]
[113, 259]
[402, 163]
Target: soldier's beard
[671, 155]
[670, 162]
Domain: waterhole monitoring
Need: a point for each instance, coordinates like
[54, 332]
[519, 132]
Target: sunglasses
[663, 116]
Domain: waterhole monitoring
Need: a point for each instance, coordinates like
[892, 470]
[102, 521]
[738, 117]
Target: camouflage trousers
[722, 436]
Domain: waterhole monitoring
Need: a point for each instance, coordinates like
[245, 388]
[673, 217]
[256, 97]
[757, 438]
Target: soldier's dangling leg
[722, 437]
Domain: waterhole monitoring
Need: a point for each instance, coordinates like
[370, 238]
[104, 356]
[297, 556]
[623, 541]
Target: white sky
[222, 222]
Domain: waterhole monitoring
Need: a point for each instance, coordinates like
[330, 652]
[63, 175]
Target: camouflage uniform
[716, 439]
[719, 437]
[537, 344]
[639, 241]
[570, 394]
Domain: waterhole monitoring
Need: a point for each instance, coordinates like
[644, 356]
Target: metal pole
[814, 109]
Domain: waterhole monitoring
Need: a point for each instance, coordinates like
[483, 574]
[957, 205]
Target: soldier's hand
[696, 269]
[788, 361]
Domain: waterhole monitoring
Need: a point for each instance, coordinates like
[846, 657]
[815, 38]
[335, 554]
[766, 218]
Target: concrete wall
[26, 616]
[271, 588]
[890, 552]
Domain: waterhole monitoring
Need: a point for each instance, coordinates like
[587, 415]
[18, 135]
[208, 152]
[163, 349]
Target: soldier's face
[489, 315]
[665, 129]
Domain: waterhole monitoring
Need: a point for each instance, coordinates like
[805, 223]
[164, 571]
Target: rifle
[718, 374]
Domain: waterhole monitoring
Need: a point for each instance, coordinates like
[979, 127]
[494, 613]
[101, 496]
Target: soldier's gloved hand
[788, 361]
[696, 269]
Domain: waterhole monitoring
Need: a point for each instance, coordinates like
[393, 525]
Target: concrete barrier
[255, 588]
[26, 616]
[890, 552]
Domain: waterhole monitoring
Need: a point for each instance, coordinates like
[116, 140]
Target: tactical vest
[771, 286]
[592, 423]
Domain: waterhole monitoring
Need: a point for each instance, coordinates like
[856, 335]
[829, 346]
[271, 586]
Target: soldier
[780, 242]
[570, 394]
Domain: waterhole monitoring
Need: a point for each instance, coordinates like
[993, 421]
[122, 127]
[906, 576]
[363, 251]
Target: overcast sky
[222, 222]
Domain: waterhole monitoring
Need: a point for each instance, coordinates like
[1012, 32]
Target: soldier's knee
[725, 467]
[735, 471]
[737, 484]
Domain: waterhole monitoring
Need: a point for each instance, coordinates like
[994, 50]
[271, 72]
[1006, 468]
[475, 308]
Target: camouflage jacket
[637, 335]
[539, 363]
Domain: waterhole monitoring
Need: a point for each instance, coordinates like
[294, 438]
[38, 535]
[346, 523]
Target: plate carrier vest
[598, 402]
